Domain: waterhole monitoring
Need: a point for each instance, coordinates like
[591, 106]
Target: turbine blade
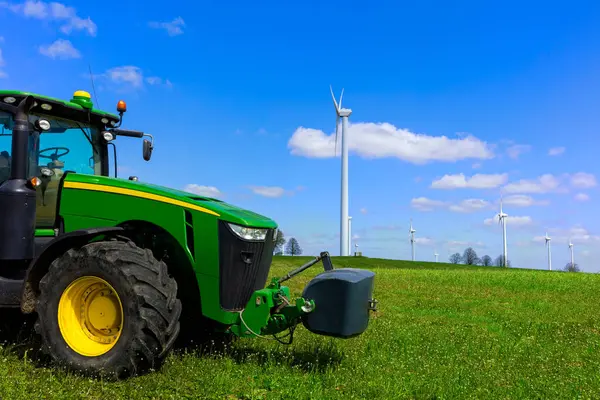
[342, 95]
[337, 110]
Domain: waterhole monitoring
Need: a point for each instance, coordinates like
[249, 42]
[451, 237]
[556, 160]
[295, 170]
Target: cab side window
[5, 149]
[67, 146]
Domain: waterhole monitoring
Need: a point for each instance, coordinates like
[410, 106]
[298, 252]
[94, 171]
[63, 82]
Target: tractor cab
[62, 136]
[41, 138]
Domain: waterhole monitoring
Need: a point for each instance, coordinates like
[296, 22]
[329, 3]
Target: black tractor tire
[148, 297]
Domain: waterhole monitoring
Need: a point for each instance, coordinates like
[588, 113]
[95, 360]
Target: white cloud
[363, 210]
[2, 64]
[268, 191]
[549, 183]
[130, 76]
[582, 197]
[477, 181]
[53, 12]
[522, 200]
[382, 140]
[61, 49]
[127, 74]
[476, 166]
[461, 243]
[516, 150]
[543, 184]
[583, 180]
[465, 206]
[469, 205]
[207, 191]
[510, 221]
[556, 151]
[157, 81]
[173, 28]
[425, 241]
[425, 204]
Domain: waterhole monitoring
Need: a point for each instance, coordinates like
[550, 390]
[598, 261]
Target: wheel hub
[90, 316]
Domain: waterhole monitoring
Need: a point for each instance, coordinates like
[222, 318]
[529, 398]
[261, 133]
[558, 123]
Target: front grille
[239, 279]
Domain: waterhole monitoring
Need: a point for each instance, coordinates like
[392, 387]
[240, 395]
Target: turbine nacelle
[340, 113]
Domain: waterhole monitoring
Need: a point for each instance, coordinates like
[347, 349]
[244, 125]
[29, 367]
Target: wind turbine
[549, 251]
[349, 235]
[571, 248]
[411, 232]
[502, 220]
[343, 113]
[436, 255]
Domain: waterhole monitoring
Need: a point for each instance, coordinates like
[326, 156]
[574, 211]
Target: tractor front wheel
[108, 308]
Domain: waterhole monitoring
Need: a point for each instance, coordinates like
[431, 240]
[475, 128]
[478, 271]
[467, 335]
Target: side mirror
[147, 150]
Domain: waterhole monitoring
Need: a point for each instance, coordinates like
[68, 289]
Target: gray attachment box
[342, 302]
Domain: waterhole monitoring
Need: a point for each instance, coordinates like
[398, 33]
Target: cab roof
[79, 108]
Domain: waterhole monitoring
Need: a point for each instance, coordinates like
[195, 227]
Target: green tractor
[116, 271]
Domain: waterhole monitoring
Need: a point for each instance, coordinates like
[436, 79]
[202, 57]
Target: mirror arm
[151, 139]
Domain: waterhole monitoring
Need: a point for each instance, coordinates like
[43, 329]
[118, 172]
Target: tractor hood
[222, 210]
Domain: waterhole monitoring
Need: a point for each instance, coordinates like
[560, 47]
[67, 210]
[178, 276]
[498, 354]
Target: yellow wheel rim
[90, 316]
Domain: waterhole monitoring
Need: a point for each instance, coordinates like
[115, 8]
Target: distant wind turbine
[343, 113]
[549, 251]
[436, 255]
[572, 258]
[502, 220]
[411, 232]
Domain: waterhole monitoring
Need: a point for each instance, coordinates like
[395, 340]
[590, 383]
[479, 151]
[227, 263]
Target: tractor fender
[55, 248]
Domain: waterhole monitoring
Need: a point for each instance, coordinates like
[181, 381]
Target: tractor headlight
[249, 233]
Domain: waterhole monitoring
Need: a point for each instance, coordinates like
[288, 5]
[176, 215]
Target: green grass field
[442, 331]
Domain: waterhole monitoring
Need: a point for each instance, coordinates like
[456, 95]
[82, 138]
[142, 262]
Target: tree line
[289, 247]
[470, 257]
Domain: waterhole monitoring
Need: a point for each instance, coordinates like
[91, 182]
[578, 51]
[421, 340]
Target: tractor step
[10, 292]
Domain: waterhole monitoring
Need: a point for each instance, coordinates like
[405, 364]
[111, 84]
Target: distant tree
[572, 267]
[455, 258]
[293, 248]
[278, 253]
[486, 261]
[470, 257]
[499, 262]
[279, 240]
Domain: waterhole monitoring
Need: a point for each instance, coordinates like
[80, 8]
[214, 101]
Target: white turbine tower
[571, 248]
[343, 113]
[502, 220]
[549, 251]
[411, 232]
[436, 255]
[349, 235]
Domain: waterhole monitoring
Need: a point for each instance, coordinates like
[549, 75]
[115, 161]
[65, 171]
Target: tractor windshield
[67, 145]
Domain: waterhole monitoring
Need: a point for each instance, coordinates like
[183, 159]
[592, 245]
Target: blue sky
[452, 104]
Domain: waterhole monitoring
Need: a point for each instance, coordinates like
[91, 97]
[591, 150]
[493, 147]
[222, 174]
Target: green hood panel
[225, 211]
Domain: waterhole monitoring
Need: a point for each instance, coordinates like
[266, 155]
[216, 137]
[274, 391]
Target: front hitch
[335, 303]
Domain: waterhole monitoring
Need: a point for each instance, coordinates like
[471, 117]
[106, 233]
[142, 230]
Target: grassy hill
[442, 331]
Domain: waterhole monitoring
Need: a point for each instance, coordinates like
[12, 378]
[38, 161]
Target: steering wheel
[54, 156]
